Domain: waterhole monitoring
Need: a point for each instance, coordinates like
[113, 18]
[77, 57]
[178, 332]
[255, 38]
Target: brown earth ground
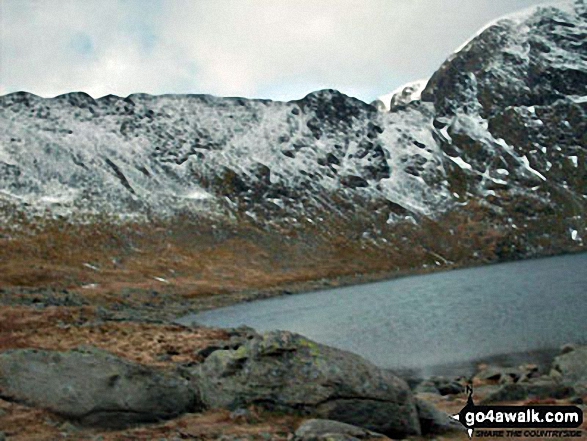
[163, 269]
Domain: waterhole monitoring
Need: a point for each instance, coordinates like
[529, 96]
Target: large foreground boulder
[434, 421]
[287, 372]
[93, 387]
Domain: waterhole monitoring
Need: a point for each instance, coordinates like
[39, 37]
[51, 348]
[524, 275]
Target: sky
[277, 49]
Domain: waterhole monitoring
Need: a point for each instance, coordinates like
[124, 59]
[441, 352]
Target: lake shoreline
[524, 311]
[170, 310]
[326, 284]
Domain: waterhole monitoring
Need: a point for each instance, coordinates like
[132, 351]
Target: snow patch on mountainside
[404, 94]
[500, 120]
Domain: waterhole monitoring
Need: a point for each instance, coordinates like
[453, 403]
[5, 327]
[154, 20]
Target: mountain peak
[499, 129]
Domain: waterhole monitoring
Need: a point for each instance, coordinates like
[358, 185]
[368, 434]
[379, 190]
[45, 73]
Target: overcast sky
[279, 49]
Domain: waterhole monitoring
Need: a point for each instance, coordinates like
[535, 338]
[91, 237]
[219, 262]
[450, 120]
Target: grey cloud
[275, 49]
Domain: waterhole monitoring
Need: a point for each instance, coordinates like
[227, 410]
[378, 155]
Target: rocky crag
[484, 161]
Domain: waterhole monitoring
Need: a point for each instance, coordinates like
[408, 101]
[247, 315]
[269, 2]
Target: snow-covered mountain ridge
[168, 151]
[501, 125]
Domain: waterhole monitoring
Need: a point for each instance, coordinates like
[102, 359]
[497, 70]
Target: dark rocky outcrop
[506, 375]
[566, 380]
[539, 389]
[93, 387]
[284, 371]
[439, 385]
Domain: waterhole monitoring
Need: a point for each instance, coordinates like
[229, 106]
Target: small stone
[447, 386]
[426, 387]
[326, 430]
[508, 392]
[68, 427]
[501, 375]
[242, 415]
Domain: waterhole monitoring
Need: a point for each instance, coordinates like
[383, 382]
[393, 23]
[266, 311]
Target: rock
[435, 422]
[323, 430]
[505, 375]
[508, 392]
[353, 181]
[576, 400]
[67, 427]
[572, 368]
[499, 374]
[242, 333]
[244, 416]
[447, 386]
[205, 352]
[537, 388]
[545, 387]
[237, 337]
[426, 387]
[286, 372]
[485, 390]
[379, 105]
[529, 372]
[567, 348]
[93, 387]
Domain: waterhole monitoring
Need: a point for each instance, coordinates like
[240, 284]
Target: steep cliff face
[496, 138]
[167, 152]
[511, 106]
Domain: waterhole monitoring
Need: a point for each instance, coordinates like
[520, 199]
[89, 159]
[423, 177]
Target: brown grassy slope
[187, 258]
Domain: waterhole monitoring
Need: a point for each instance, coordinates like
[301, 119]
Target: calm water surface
[426, 321]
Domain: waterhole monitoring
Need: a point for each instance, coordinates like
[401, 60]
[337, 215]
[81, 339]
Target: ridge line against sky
[280, 50]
